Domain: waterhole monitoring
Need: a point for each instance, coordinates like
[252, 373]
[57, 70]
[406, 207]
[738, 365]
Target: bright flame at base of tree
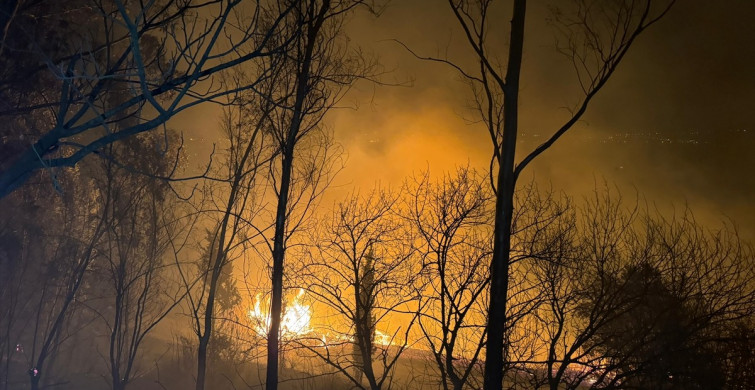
[295, 321]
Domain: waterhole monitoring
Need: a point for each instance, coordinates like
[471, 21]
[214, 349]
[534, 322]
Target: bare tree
[231, 203]
[21, 260]
[318, 68]
[362, 272]
[163, 55]
[142, 223]
[72, 248]
[597, 35]
[688, 287]
[451, 217]
[578, 256]
[453, 220]
[79, 233]
[629, 300]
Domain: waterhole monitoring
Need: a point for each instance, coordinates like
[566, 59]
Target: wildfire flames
[383, 339]
[294, 322]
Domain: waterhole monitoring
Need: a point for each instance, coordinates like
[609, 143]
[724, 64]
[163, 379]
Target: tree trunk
[114, 348]
[202, 361]
[499, 283]
[506, 183]
[279, 251]
[204, 340]
[218, 251]
[34, 380]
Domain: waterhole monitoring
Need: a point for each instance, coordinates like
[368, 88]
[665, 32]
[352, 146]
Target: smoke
[673, 123]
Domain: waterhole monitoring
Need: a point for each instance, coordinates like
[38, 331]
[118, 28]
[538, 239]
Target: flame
[384, 339]
[295, 320]
[381, 339]
[296, 323]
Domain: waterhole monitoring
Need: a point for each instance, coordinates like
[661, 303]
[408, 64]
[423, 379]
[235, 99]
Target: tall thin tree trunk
[218, 252]
[114, 350]
[34, 381]
[219, 246]
[506, 183]
[202, 361]
[279, 251]
[499, 283]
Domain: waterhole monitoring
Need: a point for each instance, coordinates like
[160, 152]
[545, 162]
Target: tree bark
[279, 248]
[506, 183]
[217, 267]
[279, 251]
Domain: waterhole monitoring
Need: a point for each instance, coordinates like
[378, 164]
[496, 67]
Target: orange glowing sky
[675, 123]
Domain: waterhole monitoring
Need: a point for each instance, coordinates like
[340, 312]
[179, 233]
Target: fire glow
[294, 321]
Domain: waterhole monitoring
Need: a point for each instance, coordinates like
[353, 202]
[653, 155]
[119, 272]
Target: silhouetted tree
[230, 204]
[318, 68]
[164, 56]
[142, 221]
[26, 214]
[363, 272]
[597, 37]
[451, 217]
[364, 326]
[633, 300]
[94, 233]
[686, 289]
[69, 249]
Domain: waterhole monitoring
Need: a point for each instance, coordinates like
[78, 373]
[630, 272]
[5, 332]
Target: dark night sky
[675, 122]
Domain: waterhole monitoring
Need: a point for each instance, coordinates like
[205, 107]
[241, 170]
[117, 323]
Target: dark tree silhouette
[231, 203]
[597, 35]
[683, 290]
[73, 251]
[142, 222]
[451, 218]
[362, 271]
[317, 69]
[73, 245]
[161, 57]
[633, 300]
